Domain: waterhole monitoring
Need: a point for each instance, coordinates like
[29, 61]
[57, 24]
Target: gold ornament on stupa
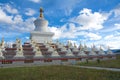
[41, 12]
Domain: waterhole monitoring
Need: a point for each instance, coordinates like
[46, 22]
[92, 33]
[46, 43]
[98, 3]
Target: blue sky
[88, 21]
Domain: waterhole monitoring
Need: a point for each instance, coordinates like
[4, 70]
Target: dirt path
[99, 68]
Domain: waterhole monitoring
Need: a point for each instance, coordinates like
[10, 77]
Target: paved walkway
[99, 68]
[89, 67]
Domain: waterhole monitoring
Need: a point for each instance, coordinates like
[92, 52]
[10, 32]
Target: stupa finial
[2, 39]
[41, 12]
[100, 47]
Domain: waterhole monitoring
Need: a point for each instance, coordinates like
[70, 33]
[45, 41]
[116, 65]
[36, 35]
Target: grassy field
[108, 63]
[56, 73]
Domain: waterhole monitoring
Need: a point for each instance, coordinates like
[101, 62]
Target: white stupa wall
[41, 32]
[41, 25]
[41, 37]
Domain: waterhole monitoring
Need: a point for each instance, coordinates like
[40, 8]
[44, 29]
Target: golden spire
[75, 45]
[41, 12]
[2, 39]
[101, 47]
[2, 42]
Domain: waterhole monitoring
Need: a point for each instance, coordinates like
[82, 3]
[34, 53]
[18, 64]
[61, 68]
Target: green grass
[56, 73]
[107, 63]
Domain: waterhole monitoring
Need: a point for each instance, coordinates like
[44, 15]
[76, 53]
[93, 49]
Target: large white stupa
[41, 32]
[38, 52]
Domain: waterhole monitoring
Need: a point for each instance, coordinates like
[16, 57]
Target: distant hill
[116, 51]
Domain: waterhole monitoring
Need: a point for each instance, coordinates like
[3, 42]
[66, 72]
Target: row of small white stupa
[49, 49]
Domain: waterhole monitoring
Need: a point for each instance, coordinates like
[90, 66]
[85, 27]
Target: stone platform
[41, 36]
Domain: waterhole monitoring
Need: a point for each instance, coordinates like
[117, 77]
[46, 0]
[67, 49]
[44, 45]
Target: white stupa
[41, 32]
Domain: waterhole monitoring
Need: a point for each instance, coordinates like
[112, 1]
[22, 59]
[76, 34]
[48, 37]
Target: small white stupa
[41, 32]
[109, 51]
[2, 45]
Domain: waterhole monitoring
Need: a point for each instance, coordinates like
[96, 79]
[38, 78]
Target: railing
[44, 49]
[28, 61]
[28, 49]
[58, 49]
[7, 61]
[10, 49]
[62, 53]
[43, 46]
[9, 52]
[75, 53]
[28, 53]
[27, 45]
[46, 53]
[86, 52]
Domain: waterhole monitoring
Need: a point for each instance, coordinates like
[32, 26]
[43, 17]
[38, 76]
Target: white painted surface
[41, 37]
[41, 25]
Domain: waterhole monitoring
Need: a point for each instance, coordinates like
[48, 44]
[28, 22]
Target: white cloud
[23, 26]
[64, 7]
[89, 20]
[112, 37]
[109, 43]
[62, 32]
[109, 37]
[35, 1]
[116, 11]
[16, 22]
[115, 27]
[10, 9]
[93, 36]
[67, 5]
[17, 19]
[8, 34]
[111, 40]
[5, 18]
[113, 44]
[57, 32]
[30, 12]
[71, 32]
[27, 37]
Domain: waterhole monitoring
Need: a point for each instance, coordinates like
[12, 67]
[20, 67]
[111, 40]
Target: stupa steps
[29, 50]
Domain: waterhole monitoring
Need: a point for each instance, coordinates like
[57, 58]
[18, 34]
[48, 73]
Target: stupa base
[41, 37]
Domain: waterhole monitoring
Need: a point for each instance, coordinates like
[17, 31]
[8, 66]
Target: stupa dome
[40, 23]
